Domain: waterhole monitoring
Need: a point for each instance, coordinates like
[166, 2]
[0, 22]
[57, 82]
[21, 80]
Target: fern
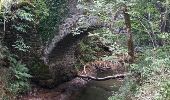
[19, 77]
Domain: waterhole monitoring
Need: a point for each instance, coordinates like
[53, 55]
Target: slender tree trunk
[129, 33]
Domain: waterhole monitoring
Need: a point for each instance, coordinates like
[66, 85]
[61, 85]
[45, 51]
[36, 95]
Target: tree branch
[104, 78]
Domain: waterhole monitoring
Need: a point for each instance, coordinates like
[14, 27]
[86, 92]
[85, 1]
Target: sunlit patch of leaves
[21, 46]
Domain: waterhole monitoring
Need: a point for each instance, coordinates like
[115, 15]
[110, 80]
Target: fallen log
[117, 76]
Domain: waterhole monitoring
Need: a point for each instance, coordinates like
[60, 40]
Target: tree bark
[129, 33]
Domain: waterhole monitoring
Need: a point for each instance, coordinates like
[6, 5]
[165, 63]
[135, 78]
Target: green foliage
[21, 46]
[16, 76]
[125, 92]
[23, 15]
[99, 7]
[152, 61]
[165, 91]
[23, 20]
[41, 10]
[154, 69]
[18, 79]
[55, 13]
[43, 16]
[87, 51]
[19, 21]
[2, 50]
[152, 64]
[116, 43]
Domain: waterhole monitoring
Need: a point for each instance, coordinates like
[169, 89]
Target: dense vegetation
[138, 28]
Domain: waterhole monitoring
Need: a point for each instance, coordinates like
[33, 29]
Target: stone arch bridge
[59, 54]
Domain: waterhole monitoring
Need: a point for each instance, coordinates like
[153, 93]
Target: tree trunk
[129, 33]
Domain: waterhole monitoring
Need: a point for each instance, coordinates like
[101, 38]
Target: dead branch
[104, 78]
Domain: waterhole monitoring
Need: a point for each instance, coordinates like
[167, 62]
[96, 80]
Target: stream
[99, 90]
[93, 90]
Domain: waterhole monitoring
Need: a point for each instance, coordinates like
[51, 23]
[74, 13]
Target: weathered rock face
[72, 7]
[59, 53]
[62, 58]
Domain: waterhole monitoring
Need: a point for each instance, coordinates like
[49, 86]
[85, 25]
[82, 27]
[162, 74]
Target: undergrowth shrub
[14, 77]
[88, 50]
[153, 66]
[19, 77]
[154, 69]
